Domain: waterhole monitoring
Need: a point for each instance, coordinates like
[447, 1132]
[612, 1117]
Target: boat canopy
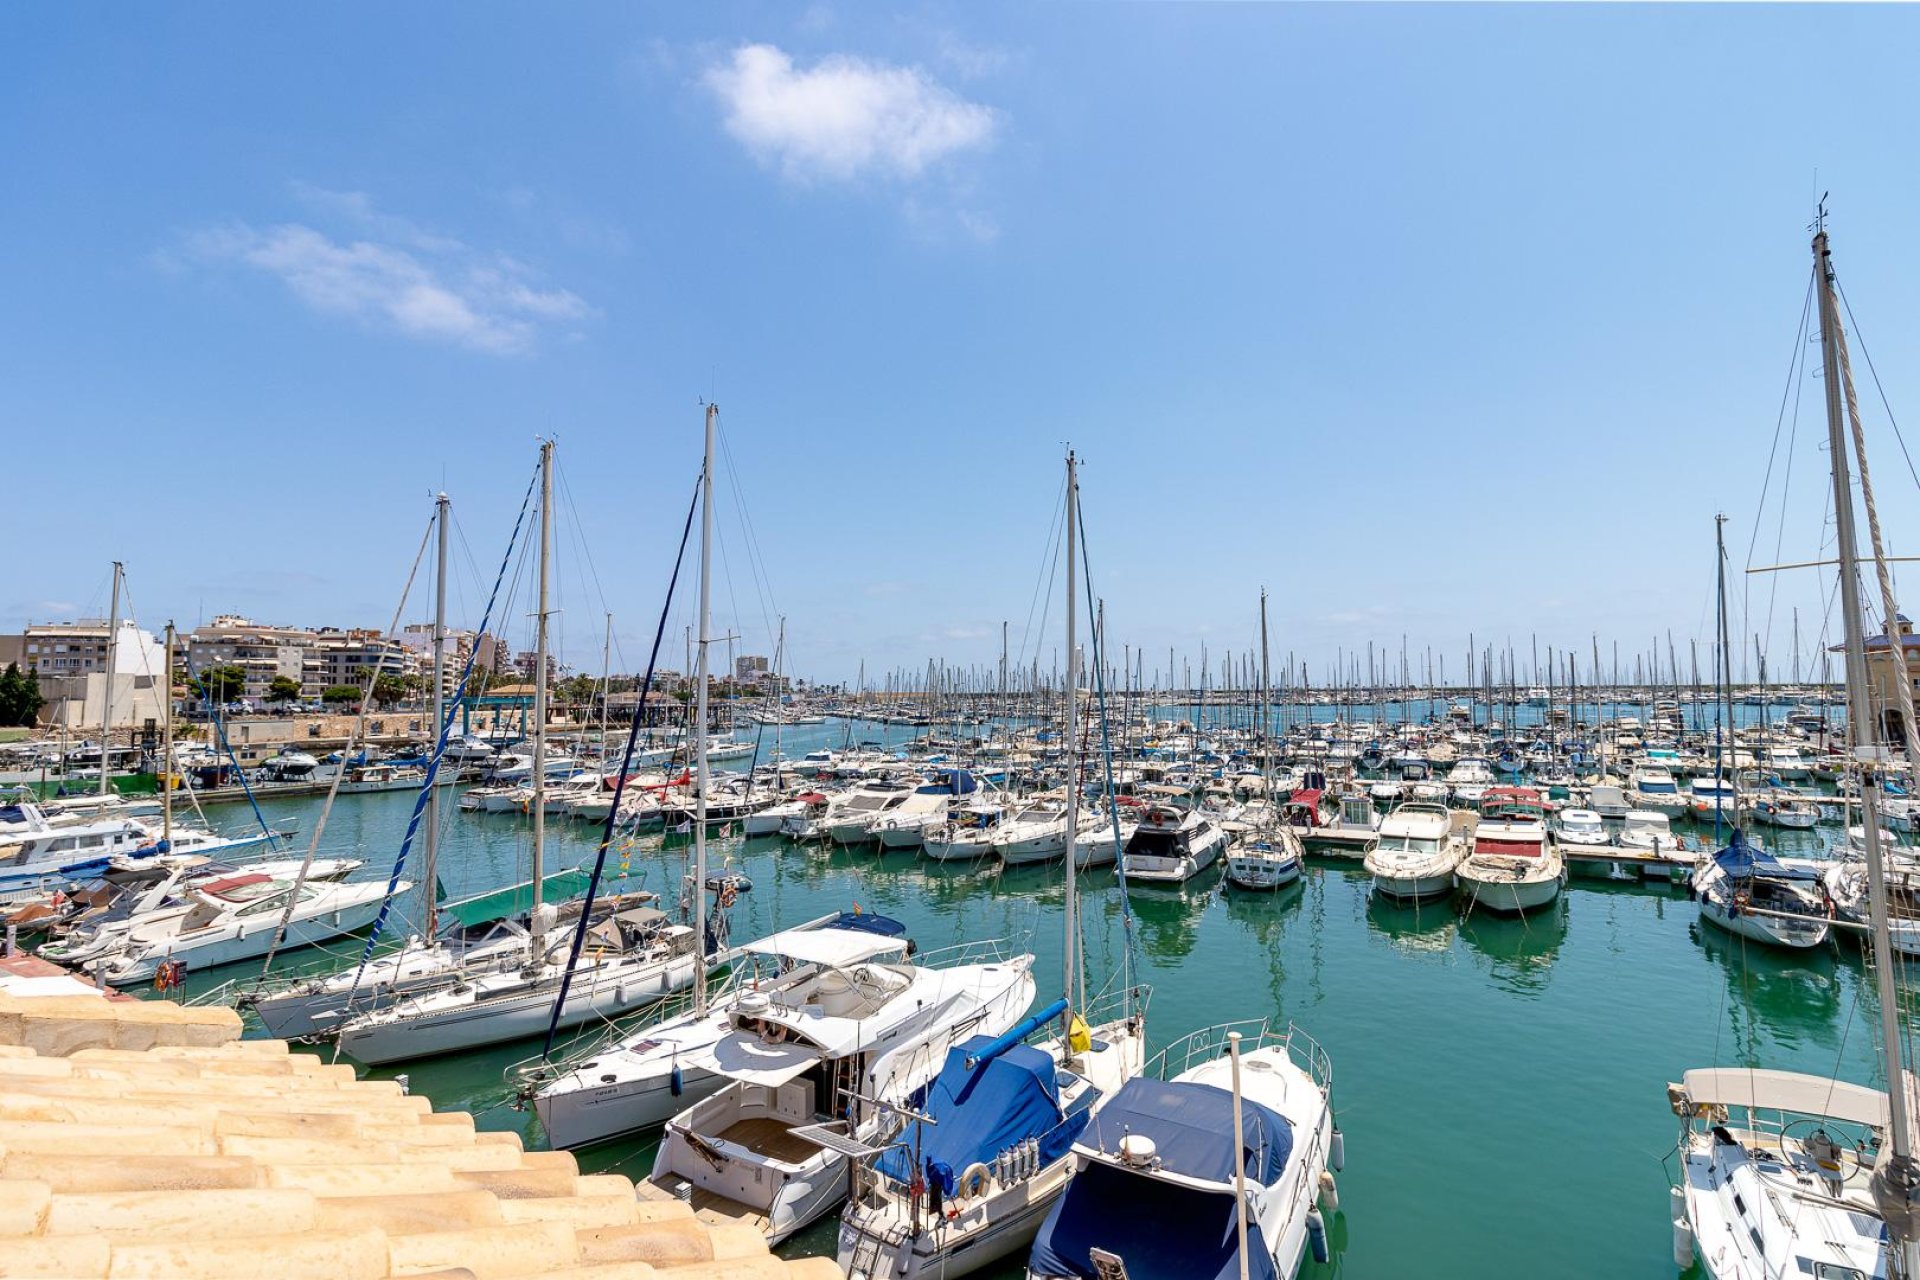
[515, 899]
[1794, 1091]
[1161, 1230]
[744, 1056]
[979, 1113]
[1186, 1121]
[832, 947]
[949, 782]
[1741, 859]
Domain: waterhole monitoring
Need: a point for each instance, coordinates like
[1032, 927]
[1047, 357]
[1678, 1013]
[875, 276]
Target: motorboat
[1469, 778]
[1651, 831]
[1420, 847]
[1713, 795]
[1513, 867]
[1580, 827]
[94, 917]
[1157, 1190]
[640, 1080]
[906, 826]
[1753, 895]
[1267, 857]
[809, 1083]
[1171, 846]
[1038, 833]
[1652, 787]
[850, 817]
[237, 918]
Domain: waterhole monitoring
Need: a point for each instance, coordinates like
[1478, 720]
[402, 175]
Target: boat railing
[1209, 1043]
[527, 1075]
[975, 951]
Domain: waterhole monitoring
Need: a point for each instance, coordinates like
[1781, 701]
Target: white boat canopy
[834, 948]
[749, 1058]
[1793, 1091]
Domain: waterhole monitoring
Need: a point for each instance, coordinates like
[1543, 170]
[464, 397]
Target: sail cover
[1162, 1230]
[1189, 1124]
[979, 1113]
[1741, 859]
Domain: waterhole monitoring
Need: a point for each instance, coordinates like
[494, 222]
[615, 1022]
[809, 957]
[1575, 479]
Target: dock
[145, 1138]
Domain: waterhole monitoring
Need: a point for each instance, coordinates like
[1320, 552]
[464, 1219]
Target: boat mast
[1896, 1183]
[1266, 742]
[1729, 753]
[700, 727]
[106, 697]
[166, 742]
[1073, 751]
[441, 505]
[539, 691]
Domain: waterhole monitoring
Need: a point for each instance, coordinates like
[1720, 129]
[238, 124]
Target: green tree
[13, 694]
[31, 700]
[284, 689]
[389, 689]
[339, 694]
[220, 684]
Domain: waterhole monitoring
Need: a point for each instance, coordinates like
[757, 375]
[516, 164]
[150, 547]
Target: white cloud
[434, 288]
[844, 116]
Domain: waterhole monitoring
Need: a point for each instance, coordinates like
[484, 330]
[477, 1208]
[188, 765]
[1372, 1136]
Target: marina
[1380, 984]
[1266, 674]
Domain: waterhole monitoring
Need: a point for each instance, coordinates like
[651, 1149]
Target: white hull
[1413, 888]
[1770, 930]
[1508, 895]
[398, 1036]
[250, 944]
[1250, 871]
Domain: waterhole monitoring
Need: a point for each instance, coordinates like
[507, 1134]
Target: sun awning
[1793, 1091]
[831, 947]
[749, 1058]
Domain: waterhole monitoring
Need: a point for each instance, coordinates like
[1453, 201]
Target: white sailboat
[638, 954]
[1784, 1173]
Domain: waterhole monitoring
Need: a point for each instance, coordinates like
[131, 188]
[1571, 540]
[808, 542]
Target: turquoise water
[1500, 1082]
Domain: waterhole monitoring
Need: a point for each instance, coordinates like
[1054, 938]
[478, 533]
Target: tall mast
[540, 688]
[440, 509]
[1073, 748]
[700, 725]
[1896, 1183]
[1723, 715]
[166, 741]
[1266, 745]
[106, 698]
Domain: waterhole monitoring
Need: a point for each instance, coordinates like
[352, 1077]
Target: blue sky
[1433, 320]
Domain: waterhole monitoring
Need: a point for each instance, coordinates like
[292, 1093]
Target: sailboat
[1271, 854]
[638, 954]
[1786, 1173]
[992, 1144]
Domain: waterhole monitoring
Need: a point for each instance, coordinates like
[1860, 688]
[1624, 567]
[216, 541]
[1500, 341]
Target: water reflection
[1417, 928]
[1518, 951]
[1775, 995]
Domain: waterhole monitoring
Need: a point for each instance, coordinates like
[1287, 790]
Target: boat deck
[715, 1210]
[770, 1138]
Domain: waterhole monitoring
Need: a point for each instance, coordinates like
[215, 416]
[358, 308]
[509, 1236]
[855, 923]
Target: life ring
[973, 1182]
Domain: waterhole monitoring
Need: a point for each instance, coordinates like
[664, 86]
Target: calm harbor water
[1501, 1082]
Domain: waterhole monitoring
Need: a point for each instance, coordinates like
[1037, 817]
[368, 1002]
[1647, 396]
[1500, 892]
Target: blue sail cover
[982, 1112]
[1161, 1230]
[866, 922]
[1189, 1124]
[949, 782]
[1741, 860]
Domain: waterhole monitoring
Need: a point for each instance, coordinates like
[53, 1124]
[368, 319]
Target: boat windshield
[1408, 844]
